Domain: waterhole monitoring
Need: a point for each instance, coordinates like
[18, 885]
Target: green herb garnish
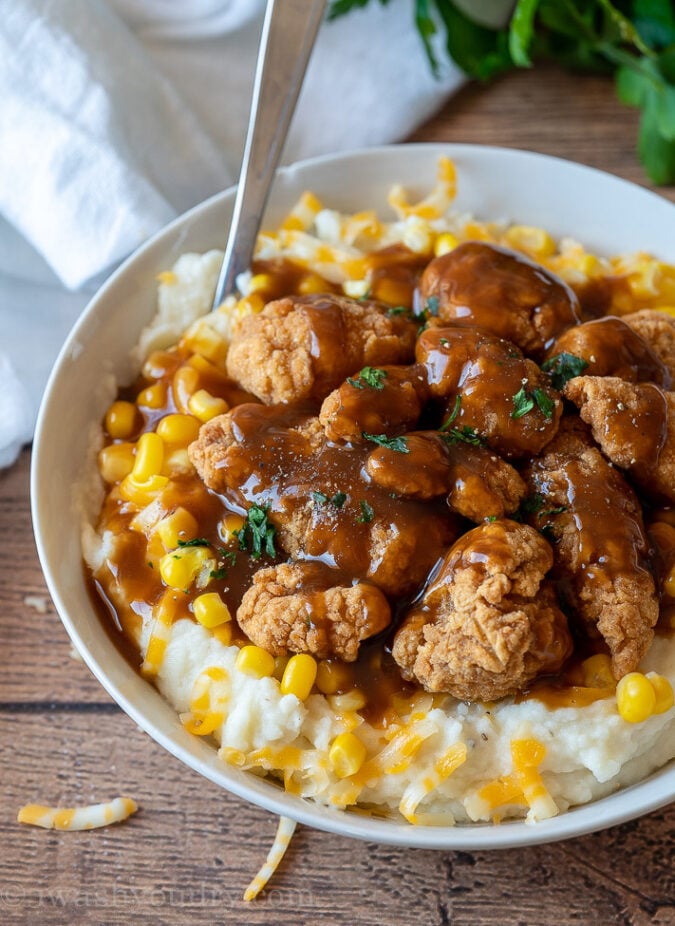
[399, 444]
[320, 498]
[219, 573]
[463, 435]
[562, 368]
[197, 542]
[257, 534]
[524, 402]
[397, 310]
[431, 306]
[339, 499]
[453, 414]
[633, 41]
[367, 513]
[369, 376]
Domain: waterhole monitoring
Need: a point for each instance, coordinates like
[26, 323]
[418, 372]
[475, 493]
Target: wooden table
[189, 853]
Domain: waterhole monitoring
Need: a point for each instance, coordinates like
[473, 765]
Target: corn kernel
[346, 754]
[250, 305]
[184, 384]
[669, 584]
[352, 700]
[157, 364]
[597, 672]
[120, 420]
[152, 397]
[116, 461]
[663, 691]
[180, 569]
[228, 527]
[177, 461]
[142, 493]
[180, 525]
[210, 610]
[311, 284]
[445, 243]
[299, 676]
[635, 697]
[223, 633]
[202, 339]
[355, 289]
[149, 457]
[253, 660]
[332, 676]
[260, 282]
[178, 429]
[206, 406]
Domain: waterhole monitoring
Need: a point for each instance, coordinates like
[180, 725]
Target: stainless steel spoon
[288, 35]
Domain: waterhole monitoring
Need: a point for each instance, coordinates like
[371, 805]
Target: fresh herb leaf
[522, 403]
[544, 402]
[367, 513]
[219, 573]
[397, 310]
[463, 435]
[257, 534]
[399, 444]
[431, 306]
[320, 498]
[453, 414]
[369, 376]
[197, 542]
[562, 368]
[339, 499]
[444, 342]
[491, 517]
[549, 512]
[532, 504]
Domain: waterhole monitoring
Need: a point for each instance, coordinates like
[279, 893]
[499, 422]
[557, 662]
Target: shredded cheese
[78, 818]
[281, 842]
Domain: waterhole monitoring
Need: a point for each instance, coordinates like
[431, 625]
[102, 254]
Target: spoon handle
[288, 35]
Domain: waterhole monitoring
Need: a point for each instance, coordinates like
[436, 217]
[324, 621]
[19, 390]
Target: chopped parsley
[367, 513]
[399, 444]
[228, 555]
[150, 564]
[563, 367]
[369, 376]
[397, 310]
[257, 534]
[320, 498]
[532, 504]
[524, 402]
[197, 542]
[339, 499]
[463, 435]
[431, 306]
[444, 342]
[453, 414]
[219, 573]
[491, 517]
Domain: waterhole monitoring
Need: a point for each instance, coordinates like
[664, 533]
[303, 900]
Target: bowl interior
[608, 215]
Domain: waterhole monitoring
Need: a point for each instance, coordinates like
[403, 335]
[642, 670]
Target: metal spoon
[288, 35]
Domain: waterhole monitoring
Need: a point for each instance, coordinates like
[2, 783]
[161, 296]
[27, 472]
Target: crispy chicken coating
[302, 347]
[491, 389]
[611, 347]
[480, 285]
[378, 400]
[478, 483]
[294, 608]
[490, 622]
[602, 554]
[658, 330]
[317, 497]
[634, 423]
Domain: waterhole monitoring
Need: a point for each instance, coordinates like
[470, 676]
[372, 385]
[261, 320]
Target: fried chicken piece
[658, 330]
[490, 389]
[634, 423]
[302, 347]
[481, 285]
[295, 608]
[602, 553]
[490, 622]
[611, 347]
[382, 400]
[317, 498]
[478, 483]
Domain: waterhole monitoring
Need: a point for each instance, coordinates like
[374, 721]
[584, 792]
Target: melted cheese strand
[78, 818]
[281, 842]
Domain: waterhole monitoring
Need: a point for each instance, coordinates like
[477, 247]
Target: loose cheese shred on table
[78, 818]
[281, 842]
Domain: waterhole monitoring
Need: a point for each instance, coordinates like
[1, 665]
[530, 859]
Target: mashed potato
[429, 758]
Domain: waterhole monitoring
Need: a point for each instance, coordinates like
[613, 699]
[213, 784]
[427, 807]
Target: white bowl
[607, 214]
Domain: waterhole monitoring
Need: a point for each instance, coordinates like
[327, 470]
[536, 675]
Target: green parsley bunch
[632, 39]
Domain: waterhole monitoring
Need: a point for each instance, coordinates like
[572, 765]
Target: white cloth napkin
[116, 116]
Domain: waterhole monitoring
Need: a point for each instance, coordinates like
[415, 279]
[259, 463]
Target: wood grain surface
[188, 854]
